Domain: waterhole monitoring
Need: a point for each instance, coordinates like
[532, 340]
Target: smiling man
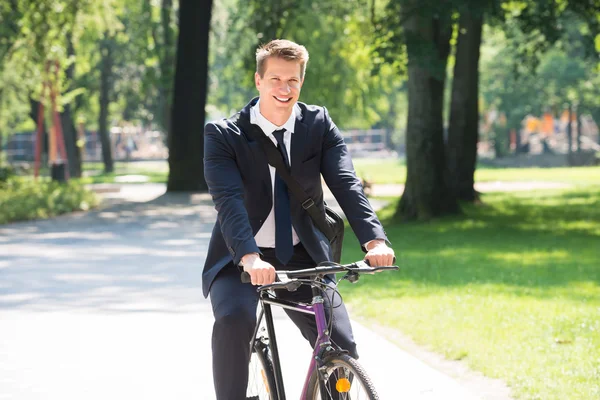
[260, 226]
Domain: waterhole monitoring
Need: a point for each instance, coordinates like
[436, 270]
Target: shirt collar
[267, 126]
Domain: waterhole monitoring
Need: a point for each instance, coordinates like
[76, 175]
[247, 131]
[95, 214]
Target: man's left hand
[379, 254]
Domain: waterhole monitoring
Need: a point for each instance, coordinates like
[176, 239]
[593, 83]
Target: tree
[107, 46]
[185, 137]
[67, 118]
[523, 79]
[463, 127]
[45, 36]
[426, 194]
[541, 22]
[340, 73]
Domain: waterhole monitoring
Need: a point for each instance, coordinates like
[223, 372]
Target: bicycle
[332, 374]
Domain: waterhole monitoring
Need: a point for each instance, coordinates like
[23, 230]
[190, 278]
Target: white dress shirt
[265, 237]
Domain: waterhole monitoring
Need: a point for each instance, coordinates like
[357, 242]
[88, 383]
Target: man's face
[280, 86]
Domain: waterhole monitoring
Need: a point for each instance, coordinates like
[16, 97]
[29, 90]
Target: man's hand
[261, 272]
[379, 254]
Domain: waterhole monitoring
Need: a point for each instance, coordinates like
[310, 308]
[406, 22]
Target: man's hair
[284, 49]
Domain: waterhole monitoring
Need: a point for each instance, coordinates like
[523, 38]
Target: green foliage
[39, 33]
[566, 73]
[338, 38]
[357, 66]
[32, 32]
[511, 289]
[6, 172]
[24, 198]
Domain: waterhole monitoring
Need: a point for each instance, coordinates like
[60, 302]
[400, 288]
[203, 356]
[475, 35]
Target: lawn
[127, 172]
[394, 171]
[512, 288]
[375, 170]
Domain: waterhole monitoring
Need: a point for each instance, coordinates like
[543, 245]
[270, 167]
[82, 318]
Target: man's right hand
[261, 272]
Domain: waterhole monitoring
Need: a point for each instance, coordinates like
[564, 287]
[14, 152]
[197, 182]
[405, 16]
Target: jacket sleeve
[339, 174]
[226, 188]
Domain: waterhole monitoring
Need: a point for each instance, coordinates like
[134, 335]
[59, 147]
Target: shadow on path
[127, 257]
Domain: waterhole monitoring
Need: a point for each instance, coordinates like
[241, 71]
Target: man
[260, 226]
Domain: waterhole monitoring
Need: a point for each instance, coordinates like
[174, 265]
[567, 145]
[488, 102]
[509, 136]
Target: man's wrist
[248, 260]
[370, 245]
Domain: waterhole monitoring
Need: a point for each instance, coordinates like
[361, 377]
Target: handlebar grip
[246, 277]
[393, 261]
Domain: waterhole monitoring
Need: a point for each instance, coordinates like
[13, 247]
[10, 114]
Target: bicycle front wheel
[261, 379]
[344, 379]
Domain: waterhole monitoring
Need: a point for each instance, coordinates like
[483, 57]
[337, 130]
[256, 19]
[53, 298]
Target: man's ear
[257, 80]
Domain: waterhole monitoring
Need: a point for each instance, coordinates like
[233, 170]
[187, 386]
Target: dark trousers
[234, 307]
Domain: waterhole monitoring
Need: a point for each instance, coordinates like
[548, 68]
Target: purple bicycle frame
[318, 310]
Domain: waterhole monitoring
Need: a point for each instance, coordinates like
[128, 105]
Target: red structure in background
[55, 129]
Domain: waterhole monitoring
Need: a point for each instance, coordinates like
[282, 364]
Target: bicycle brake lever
[352, 276]
[292, 286]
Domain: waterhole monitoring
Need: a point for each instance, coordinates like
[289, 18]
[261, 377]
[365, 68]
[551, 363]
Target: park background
[474, 122]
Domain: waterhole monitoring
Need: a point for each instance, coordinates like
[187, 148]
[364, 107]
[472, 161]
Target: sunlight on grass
[390, 171]
[532, 257]
[512, 289]
[152, 171]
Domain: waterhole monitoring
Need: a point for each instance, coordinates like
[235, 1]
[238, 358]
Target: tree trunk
[1, 135]
[106, 64]
[166, 64]
[570, 131]
[463, 130]
[579, 108]
[426, 194]
[34, 107]
[186, 145]
[70, 136]
[68, 125]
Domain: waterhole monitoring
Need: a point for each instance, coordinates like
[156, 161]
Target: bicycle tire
[361, 384]
[261, 378]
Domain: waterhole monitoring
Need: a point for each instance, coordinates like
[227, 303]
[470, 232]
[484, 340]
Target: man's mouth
[283, 99]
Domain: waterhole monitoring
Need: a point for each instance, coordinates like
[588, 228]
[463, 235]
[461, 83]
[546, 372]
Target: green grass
[512, 288]
[573, 175]
[150, 177]
[381, 170]
[394, 171]
[386, 171]
[153, 172]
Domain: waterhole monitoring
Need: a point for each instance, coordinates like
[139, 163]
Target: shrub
[22, 198]
[6, 172]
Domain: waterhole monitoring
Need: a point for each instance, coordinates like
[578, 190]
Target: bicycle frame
[323, 342]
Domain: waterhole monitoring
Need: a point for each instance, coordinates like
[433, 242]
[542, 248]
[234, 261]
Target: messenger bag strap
[275, 159]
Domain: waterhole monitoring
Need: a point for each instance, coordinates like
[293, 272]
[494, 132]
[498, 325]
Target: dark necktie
[284, 246]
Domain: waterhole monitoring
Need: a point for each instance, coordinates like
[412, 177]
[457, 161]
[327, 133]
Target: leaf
[68, 97]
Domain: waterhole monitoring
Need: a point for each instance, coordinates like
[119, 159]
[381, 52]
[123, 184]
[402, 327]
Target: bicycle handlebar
[324, 268]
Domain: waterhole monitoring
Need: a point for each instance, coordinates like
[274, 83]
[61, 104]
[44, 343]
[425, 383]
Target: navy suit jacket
[239, 181]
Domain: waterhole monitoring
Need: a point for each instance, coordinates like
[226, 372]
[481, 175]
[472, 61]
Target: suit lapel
[260, 162]
[258, 154]
[299, 139]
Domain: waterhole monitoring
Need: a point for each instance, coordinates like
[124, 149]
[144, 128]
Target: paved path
[107, 305]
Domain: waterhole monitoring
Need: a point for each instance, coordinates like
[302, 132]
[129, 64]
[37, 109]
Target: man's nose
[285, 88]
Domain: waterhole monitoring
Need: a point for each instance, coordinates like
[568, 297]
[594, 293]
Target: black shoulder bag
[331, 224]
